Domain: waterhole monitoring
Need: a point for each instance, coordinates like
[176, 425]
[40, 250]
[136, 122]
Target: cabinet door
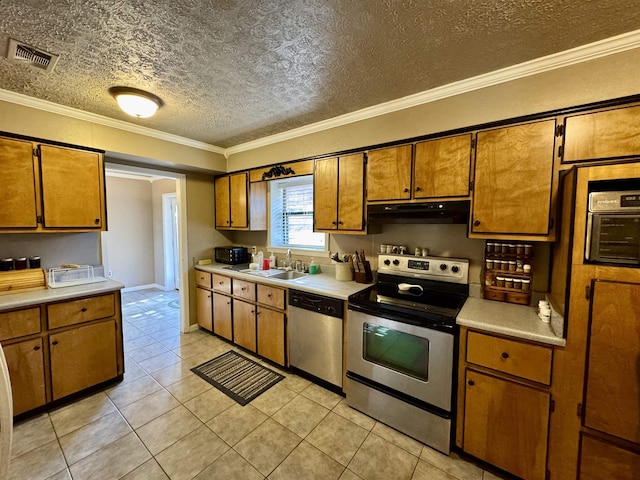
[325, 194]
[441, 167]
[238, 200]
[613, 389]
[600, 460]
[244, 325]
[72, 187]
[513, 179]
[222, 320]
[223, 206]
[271, 336]
[26, 371]
[506, 424]
[351, 193]
[204, 308]
[389, 174]
[607, 134]
[18, 192]
[82, 357]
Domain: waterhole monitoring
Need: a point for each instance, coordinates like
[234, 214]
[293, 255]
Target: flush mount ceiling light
[135, 102]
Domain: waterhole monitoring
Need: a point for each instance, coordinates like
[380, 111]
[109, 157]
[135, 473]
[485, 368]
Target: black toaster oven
[231, 255]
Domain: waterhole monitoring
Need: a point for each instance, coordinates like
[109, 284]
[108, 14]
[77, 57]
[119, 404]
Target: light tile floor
[164, 422]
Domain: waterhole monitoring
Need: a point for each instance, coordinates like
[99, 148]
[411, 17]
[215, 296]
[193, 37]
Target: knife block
[366, 276]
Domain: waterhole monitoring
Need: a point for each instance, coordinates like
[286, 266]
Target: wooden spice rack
[513, 263]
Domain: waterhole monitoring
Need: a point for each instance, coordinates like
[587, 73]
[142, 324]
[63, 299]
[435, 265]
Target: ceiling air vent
[26, 55]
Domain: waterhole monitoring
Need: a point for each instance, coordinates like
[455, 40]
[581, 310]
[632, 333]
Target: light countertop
[324, 283]
[519, 321]
[34, 297]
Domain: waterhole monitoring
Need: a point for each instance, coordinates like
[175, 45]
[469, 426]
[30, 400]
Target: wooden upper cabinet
[612, 386]
[238, 206]
[339, 194]
[441, 167]
[600, 135]
[72, 188]
[514, 181]
[18, 193]
[389, 174]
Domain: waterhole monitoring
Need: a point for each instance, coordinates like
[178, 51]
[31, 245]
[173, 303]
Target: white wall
[158, 188]
[128, 244]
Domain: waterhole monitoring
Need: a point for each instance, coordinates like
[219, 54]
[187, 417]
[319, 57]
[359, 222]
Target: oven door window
[399, 351]
[617, 238]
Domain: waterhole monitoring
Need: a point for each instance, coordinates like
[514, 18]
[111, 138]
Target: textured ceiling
[235, 71]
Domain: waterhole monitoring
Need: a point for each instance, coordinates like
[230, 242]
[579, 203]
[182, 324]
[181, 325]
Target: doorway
[164, 236]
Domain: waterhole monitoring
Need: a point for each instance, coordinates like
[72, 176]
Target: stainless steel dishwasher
[315, 335]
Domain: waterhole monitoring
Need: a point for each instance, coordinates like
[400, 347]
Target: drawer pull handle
[37, 347]
[505, 355]
[471, 383]
[55, 342]
[269, 295]
[220, 283]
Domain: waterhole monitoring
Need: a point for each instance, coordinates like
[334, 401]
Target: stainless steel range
[402, 342]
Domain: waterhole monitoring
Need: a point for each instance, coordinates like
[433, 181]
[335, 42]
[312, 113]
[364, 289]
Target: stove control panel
[444, 269]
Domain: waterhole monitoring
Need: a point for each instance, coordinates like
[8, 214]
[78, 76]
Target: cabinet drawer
[79, 311]
[242, 289]
[221, 284]
[203, 279]
[509, 356]
[19, 323]
[272, 296]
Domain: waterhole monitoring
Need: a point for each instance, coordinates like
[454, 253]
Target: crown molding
[26, 101]
[584, 53]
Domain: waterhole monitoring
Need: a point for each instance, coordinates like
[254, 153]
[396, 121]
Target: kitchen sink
[289, 275]
[277, 274]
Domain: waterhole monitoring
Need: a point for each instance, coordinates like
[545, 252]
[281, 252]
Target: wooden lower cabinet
[244, 324]
[222, 316]
[600, 460]
[204, 308]
[506, 424]
[26, 370]
[271, 334]
[82, 357]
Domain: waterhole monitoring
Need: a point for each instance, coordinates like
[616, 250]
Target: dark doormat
[237, 376]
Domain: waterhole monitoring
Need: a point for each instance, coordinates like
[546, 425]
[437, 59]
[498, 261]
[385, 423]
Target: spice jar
[512, 265]
[528, 250]
[508, 282]
[491, 247]
[526, 268]
[517, 283]
[500, 281]
[504, 265]
[20, 263]
[488, 280]
[520, 249]
[489, 263]
[504, 247]
[526, 285]
[512, 248]
[6, 264]
[34, 262]
[519, 266]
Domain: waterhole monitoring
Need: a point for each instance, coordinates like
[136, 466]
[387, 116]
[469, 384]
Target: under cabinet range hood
[453, 211]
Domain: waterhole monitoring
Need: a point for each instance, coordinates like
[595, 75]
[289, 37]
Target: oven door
[413, 360]
[613, 238]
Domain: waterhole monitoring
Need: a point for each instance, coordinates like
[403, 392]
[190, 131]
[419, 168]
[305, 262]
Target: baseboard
[144, 287]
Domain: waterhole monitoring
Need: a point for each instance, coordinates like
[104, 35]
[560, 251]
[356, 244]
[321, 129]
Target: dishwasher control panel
[332, 307]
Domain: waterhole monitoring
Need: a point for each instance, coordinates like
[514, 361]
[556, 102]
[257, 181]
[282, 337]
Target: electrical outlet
[110, 274]
[254, 250]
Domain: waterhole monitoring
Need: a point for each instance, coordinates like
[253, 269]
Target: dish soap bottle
[272, 261]
[313, 268]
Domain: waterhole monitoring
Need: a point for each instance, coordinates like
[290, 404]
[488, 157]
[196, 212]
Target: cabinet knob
[268, 295]
[37, 347]
[476, 223]
[405, 190]
[340, 222]
[418, 189]
[505, 355]
[55, 342]
[220, 283]
[97, 221]
[471, 383]
[334, 223]
[83, 309]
